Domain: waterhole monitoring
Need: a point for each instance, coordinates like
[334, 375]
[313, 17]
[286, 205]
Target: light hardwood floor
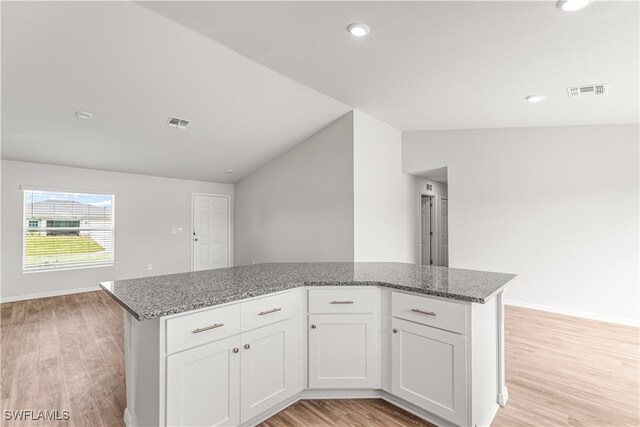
[67, 353]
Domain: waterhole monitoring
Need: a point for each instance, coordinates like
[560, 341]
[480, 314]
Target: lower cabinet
[343, 351]
[203, 385]
[236, 379]
[270, 369]
[429, 369]
[232, 380]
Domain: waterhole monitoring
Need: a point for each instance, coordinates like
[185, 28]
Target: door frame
[440, 227]
[435, 256]
[229, 226]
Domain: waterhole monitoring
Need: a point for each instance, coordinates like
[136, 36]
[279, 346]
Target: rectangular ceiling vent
[599, 89]
[176, 122]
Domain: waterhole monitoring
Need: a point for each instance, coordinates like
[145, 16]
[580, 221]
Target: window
[67, 229]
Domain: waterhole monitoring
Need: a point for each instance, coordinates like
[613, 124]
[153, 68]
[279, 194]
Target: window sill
[71, 267]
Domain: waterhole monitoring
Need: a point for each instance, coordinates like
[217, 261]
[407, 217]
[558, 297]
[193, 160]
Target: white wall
[146, 210]
[385, 198]
[556, 205]
[299, 207]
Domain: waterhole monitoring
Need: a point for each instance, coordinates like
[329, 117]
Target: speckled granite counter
[152, 297]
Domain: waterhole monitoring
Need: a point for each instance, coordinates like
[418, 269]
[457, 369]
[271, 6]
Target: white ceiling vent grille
[176, 122]
[599, 89]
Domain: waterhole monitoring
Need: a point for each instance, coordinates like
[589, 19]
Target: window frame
[40, 228]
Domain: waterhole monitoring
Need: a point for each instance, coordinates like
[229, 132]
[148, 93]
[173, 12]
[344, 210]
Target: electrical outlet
[149, 266]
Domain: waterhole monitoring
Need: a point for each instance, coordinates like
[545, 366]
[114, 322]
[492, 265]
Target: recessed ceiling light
[572, 5]
[228, 171]
[84, 115]
[535, 98]
[358, 30]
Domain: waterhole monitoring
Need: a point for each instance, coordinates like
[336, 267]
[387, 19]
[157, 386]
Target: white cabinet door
[343, 351]
[429, 369]
[203, 385]
[271, 367]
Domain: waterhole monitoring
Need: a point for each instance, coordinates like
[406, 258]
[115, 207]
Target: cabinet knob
[236, 349]
[395, 331]
[247, 346]
[313, 326]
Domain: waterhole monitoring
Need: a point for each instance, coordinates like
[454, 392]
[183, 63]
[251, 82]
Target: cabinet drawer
[266, 311]
[200, 328]
[445, 315]
[342, 300]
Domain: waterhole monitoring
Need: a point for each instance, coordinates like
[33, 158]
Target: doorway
[210, 217]
[434, 228]
[426, 230]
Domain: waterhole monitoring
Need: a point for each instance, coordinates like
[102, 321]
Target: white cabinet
[429, 369]
[203, 385]
[236, 364]
[270, 368]
[343, 351]
[232, 379]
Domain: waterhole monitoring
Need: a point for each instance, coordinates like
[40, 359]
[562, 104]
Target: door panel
[269, 368]
[210, 232]
[343, 351]
[429, 369]
[425, 230]
[203, 385]
[444, 232]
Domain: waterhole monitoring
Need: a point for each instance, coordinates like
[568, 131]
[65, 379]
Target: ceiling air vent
[176, 122]
[599, 89]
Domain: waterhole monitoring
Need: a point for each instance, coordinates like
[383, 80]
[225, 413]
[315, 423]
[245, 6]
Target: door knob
[236, 349]
[395, 331]
[195, 240]
[313, 326]
[247, 346]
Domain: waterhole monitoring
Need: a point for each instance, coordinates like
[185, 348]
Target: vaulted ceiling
[256, 78]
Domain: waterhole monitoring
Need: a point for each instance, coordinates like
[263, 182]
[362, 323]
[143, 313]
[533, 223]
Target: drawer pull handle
[273, 310]
[428, 313]
[340, 302]
[207, 328]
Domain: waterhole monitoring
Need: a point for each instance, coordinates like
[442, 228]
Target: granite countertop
[152, 297]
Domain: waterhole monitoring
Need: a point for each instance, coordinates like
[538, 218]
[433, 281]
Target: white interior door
[425, 231]
[210, 234]
[444, 232]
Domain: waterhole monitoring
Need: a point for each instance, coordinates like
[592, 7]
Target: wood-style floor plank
[567, 371]
[68, 353]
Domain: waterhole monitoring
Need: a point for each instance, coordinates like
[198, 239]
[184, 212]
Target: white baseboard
[49, 294]
[127, 418]
[575, 313]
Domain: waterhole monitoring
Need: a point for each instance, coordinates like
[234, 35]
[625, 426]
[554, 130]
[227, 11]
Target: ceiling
[132, 69]
[441, 64]
[256, 78]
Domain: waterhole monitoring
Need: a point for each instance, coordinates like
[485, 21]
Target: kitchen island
[233, 346]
